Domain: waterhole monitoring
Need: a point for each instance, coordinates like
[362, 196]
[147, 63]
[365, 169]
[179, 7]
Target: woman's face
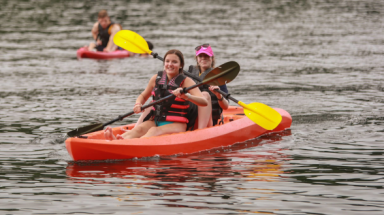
[204, 61]
[172, 64]
[104, 22]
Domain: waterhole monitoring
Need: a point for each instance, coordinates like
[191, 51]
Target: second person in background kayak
[208, 115]
[172, 115]
[103, 31]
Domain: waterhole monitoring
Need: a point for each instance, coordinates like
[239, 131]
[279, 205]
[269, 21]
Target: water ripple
[319, 60]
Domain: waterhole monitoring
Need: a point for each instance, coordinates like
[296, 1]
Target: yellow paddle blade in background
[132, 42]
[261, 114]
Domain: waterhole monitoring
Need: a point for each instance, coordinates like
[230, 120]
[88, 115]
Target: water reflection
[207, 174]
[191, 168]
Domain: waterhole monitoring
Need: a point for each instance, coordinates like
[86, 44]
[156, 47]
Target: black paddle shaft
[226, 95]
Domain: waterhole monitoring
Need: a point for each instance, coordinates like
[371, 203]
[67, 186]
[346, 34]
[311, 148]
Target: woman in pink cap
[208, 115]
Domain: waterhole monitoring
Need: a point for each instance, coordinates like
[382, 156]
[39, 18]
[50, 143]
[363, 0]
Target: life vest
[174, 109]
[104, 34]
[216, 109]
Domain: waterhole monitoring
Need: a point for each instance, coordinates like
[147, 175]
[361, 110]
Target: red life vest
[174, 109]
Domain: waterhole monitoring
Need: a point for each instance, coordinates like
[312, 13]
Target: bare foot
[119, 137]
[108, 134]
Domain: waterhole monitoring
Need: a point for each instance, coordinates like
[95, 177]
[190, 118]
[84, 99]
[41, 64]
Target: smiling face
[204, 61]
[172, 65]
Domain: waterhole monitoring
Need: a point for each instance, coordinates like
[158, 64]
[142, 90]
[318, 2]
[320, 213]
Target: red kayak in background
[84, 53]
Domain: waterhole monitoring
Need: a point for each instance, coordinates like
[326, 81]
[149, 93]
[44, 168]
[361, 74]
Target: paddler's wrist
[188, 96]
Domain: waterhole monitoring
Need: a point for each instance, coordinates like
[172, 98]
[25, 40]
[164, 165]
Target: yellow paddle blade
[261, 114]
[131, 41]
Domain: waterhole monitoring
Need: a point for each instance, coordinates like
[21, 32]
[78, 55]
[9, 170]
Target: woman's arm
[194, 96]
[143, 97]
[222, 101]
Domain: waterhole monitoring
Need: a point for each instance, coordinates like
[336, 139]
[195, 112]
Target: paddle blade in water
[86, 129]
[227, 71]
[131, 41]
[261, 114]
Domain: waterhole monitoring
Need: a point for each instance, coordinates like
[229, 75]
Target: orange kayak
[236, 128]
[84, 53]
[170, 166]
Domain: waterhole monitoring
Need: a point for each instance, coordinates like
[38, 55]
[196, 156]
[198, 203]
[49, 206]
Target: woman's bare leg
[205, 113]
[175, 127]
[138, 131]
[143, 115]
[91, 46]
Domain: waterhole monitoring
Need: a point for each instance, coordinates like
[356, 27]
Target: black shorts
[192, 116]
[100, 48]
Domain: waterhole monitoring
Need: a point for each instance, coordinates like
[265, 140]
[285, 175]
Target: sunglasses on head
[206, 45]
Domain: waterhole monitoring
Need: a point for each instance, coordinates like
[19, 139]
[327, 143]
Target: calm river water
[322, 61]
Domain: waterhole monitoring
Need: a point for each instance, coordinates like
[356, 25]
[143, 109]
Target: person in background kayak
[103, 31]
[208, 115]
[172, 115]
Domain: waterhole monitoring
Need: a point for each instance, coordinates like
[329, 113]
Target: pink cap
[204, 50]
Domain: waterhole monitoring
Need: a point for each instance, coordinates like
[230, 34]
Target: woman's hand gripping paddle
[220, 74]
[261, 114]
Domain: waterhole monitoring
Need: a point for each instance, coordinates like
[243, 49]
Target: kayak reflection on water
[207, 165]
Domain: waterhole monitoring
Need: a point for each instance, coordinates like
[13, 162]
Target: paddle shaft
[226, 95]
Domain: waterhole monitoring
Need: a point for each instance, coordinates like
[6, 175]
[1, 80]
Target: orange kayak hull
[237, 128]
[84, 53]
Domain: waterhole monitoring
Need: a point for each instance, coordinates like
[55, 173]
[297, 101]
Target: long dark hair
[179, 54]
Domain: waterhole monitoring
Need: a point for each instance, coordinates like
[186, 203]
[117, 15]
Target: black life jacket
[216, 109]
[104, 34]
[174, 109]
